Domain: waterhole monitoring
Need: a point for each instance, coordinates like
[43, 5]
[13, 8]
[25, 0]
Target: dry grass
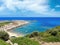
[51, 43]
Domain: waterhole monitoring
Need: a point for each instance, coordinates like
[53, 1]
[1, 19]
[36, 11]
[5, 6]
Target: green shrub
[4, 36]
[54, 33]
[24, 41]
[51, 39]
[34, 34]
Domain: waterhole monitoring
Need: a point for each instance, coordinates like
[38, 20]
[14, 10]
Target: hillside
[49, 37]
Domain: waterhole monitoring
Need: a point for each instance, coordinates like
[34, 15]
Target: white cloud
[57, 5]
[38, 6]
[1, 8]
[33, 5]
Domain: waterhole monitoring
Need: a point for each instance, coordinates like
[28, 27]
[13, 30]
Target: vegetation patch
[4, 23]
[3, 42]
[51, 35]
[24, 41]
[4, 35]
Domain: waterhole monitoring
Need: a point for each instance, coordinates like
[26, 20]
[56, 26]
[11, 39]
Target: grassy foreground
[3, 42]
[24, 41]
[51, 35]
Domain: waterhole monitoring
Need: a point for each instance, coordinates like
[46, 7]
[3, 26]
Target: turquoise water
[38, 25]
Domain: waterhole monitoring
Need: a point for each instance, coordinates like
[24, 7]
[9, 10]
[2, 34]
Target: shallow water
[37, 25]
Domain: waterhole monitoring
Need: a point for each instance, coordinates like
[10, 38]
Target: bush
[51, 39]
[24, 41]
[54, 33]
[4, 36]
[34, 34]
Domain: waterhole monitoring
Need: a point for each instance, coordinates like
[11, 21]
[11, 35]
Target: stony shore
[12, 25]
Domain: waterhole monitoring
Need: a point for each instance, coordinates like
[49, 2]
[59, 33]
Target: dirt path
[51, 43]
[48, 43]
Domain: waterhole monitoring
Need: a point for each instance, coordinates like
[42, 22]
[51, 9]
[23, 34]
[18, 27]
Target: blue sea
[40, 25]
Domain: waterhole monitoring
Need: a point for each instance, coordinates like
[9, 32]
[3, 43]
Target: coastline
[12, 25]
[14, 34]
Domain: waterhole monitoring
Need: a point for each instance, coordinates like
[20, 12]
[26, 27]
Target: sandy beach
[14, 34]
[12, 25]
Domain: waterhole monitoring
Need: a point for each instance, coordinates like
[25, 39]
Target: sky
[29, 8]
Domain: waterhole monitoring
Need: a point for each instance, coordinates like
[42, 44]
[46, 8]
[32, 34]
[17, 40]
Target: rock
[15, 44]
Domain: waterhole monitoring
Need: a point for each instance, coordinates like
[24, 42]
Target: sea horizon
[28, 18]
[37, 25]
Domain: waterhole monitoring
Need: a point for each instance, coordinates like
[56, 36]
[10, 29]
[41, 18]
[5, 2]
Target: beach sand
[14, 34]
[12, 25]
